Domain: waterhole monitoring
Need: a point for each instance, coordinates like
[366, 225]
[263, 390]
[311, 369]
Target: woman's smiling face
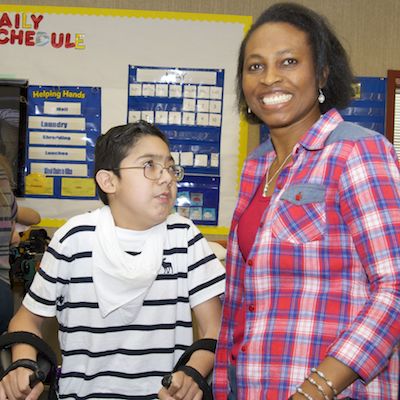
[279, 80]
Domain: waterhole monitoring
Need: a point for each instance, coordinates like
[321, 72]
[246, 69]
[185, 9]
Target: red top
[247, 230]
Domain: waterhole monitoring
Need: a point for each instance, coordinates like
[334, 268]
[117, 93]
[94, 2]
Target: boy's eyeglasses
[153, 171]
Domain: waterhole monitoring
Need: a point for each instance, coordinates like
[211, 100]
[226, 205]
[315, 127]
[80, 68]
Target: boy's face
[137, 202]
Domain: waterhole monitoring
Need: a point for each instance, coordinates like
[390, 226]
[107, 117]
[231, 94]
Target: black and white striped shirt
[112, 357]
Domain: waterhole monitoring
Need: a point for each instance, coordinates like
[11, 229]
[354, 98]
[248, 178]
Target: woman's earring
[248, 110]
[321, 97]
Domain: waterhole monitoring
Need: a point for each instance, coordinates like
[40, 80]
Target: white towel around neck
[119, 278]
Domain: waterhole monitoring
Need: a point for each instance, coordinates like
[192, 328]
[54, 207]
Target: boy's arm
[25, 321]
[16, 383]
[208, 318]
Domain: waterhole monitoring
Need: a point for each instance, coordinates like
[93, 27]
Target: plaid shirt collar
[313, 139]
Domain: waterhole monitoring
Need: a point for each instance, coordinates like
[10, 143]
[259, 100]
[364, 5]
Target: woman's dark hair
[112, 147]
[326, 49]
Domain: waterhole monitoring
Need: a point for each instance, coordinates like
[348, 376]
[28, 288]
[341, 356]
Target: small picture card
[202, 119]
[209, 214]
[148, 116]
[161, 90]
[214, 119]
[189, 91]
[135, 89]
[148, 89]
[196, 213]
[175, 91]
[203, 106]
[203, 92]
[216, 92]
[214, 162]
[133, 116]
[174, 118]
[187, 158]
[188, 118]
[200, 160]
[189, 105]
[196, 199]
[215, 106]
[162, 117]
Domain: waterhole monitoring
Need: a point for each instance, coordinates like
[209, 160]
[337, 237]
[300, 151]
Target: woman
[312, 305]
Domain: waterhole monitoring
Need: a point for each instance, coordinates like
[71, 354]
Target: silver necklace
[268, 181]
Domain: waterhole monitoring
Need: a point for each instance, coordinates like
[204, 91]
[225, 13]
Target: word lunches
[27, 30]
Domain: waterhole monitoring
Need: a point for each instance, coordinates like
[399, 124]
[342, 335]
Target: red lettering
[20, 37]
[5, 21]
[5, 39]
[36, 21]
[17, 21]
[68, 43]
[30, 38]
[57, 43]
[16, 36]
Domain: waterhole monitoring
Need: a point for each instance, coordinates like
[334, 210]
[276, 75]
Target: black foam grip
[202, 344]
[46, 360]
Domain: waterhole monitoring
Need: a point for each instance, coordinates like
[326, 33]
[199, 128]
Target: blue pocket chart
[186, 104]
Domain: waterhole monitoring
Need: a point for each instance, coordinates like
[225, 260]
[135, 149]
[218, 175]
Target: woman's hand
[182, 387]
[15, 386]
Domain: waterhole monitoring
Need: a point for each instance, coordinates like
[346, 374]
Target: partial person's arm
[14, 238]
[27, 216]
[370, 206]
[15, 385]
[331, 376]
[208, 318]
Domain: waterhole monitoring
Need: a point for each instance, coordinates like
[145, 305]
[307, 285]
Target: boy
[122, 281]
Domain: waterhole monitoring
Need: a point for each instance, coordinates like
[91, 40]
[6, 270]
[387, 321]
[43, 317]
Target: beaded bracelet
[318, 386]
[327, 381]
[302, 392]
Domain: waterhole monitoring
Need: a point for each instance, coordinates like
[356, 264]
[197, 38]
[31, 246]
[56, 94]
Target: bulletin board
[97, 48]
[64, 123]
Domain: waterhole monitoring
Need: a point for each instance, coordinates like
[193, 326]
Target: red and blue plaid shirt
[323, 276]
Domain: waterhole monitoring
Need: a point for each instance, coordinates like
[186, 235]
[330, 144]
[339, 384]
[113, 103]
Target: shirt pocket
[300, 216]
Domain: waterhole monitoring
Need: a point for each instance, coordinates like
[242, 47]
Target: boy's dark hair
[112, 147]
[326, 49]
